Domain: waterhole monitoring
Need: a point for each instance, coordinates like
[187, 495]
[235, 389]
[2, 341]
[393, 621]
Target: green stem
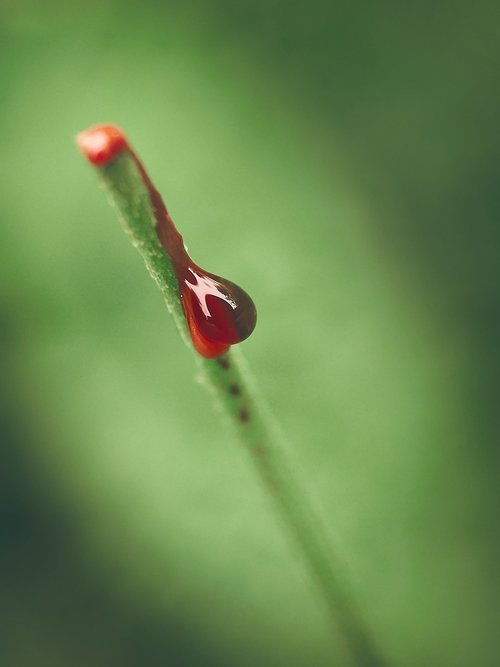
[249, 418]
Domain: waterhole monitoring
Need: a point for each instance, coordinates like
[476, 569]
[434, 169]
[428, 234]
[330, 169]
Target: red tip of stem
[101, 143]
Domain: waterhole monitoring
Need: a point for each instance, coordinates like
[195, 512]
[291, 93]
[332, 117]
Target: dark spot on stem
[234, 390]
[223, 363]
[243, 415]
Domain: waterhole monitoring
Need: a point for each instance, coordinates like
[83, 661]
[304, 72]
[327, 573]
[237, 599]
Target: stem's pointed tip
[101, 143]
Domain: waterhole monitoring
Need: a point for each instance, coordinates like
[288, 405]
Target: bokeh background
[338, 160]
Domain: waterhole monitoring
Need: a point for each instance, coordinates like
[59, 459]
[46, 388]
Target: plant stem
[245, 411]
[259, 434]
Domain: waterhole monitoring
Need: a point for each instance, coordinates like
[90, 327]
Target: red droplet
[218, 312]
[101, 143]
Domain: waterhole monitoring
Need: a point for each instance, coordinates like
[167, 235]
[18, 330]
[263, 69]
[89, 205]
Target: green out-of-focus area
[338, 160]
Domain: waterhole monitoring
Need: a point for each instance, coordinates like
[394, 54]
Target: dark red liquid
[218, 312]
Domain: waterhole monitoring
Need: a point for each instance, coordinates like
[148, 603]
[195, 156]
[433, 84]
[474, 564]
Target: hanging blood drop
[218, 312]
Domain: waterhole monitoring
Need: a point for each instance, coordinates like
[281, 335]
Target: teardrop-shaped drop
[218, 312]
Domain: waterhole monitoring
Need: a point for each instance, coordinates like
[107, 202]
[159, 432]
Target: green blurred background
[338, 160]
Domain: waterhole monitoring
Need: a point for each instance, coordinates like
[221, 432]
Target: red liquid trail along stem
[218, 312]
